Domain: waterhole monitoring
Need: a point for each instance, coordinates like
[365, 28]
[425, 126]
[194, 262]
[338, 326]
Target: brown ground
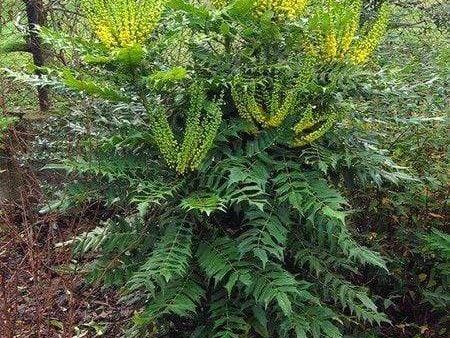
[40, 296]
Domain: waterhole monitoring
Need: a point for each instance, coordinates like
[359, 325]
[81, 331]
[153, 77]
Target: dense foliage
[229, 143]
[250, 234]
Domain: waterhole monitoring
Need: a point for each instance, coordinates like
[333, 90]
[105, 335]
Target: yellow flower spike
[268, 112]
[334, 31]
[351, 29]
[366, 46]
[331, 46]
[307, 122]
[283, 9]
[293, 8]
[219, 4]
[123, 23]
[104, 34]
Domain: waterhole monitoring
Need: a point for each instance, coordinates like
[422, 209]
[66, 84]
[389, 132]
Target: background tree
[36, 17]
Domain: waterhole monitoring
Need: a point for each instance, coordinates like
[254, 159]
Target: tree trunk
[36, 17]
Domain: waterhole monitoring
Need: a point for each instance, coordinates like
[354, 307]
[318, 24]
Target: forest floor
[40, 296]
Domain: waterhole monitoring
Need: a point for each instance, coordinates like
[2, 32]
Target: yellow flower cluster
[202, 123]
[163, 136]
[366, 46]
[244, 97]
[334, 31]
[123, 23]
[283, 9]
[310, 128]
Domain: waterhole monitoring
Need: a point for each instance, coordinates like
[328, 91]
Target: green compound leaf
[204, 203]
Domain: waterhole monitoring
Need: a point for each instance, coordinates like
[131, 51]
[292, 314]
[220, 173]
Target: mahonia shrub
[223, 133]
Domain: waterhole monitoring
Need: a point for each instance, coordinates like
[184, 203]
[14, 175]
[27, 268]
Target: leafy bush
[225, 143]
